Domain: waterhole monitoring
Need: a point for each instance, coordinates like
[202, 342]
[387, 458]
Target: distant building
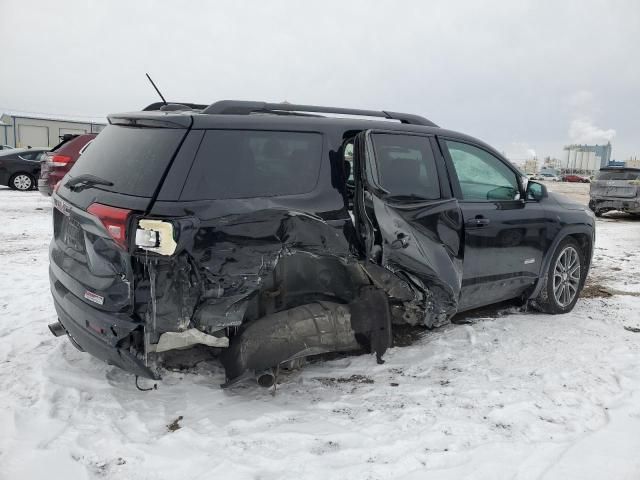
[35, 131]
[585, 159]
[633, 162]
[531, 166]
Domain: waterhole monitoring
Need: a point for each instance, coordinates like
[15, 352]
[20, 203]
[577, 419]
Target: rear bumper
[96, 332]
[622, 204]
[44, 188]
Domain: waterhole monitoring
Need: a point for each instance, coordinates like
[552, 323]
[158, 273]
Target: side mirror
[536, 191]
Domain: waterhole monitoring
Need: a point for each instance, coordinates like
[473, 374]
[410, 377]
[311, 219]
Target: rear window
[254, 163]
[133, 158]
[619, 175]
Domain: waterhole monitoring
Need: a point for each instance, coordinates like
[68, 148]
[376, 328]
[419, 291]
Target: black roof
[617, 169]
[242, 107]
[232, 114]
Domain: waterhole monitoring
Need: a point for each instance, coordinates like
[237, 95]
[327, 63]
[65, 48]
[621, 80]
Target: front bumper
[96, 332]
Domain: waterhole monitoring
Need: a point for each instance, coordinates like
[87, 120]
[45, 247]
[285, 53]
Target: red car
[575, 178]
[60, 159]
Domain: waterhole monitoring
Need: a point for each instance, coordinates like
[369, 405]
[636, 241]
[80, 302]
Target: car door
[504, 235]
[407, 218]
[29, 161]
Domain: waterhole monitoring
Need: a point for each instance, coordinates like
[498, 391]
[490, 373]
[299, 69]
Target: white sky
[522, 75]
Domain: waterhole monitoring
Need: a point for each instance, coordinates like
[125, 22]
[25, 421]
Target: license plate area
[72, 234]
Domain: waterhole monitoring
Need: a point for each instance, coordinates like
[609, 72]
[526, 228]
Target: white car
[547, 177]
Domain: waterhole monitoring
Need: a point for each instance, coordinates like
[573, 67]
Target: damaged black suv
[265, 233]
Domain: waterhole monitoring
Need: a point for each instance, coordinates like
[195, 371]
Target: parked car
[575, 179]
[60, 159]
[264, 233]
[6, 147]
[615, 188]
[548, 177]
[19, 167]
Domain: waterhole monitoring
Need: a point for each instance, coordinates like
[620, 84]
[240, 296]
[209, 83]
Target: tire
[597, 213]
[21, 181]
[564, 279]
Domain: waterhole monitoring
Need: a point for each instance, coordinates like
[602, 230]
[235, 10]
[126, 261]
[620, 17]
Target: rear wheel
[21, 181]
[563, 281]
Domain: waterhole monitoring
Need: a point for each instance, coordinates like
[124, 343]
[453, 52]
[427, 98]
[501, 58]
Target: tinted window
[405, 165]
[31, 155]
[482, 176]
[134, 159]
[253, 163]
[619, 175]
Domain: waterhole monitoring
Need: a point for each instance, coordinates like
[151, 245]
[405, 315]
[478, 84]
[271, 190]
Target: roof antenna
[154, 86]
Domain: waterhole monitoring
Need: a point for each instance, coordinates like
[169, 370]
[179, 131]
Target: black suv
[263, 233]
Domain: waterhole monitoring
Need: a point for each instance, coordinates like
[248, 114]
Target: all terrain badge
[93, 297]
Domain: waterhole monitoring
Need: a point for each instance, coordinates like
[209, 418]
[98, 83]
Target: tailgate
[97, 203]
[87, 261]
[614, 188]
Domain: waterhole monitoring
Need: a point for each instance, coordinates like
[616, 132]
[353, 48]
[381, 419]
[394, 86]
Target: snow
[510, 395]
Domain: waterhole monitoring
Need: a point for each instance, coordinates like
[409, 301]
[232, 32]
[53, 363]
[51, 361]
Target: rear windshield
[254, 163]
[619, 175]
[133, 158]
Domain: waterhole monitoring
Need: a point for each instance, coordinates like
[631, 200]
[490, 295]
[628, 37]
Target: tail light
[58, 160]
[114, 220]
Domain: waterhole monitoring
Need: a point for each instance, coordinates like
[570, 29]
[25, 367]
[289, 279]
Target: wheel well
[585, 245]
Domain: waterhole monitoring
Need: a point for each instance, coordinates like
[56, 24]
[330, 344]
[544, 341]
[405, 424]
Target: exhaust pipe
[266, 378]
[56, 329]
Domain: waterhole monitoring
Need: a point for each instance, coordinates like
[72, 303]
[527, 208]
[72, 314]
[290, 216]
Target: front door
[504, 235]
[407, 217]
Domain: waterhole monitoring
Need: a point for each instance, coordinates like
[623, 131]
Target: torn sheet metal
[424, 240]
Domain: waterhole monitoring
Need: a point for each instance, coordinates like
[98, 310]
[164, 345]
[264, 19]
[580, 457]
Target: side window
[482, 176]
[406, 166]
[29, 156]
[253, 163]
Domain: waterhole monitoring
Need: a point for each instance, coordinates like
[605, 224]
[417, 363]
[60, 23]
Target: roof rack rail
[173, 106]
[241, 107]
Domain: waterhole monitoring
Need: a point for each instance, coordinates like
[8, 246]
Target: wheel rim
[566, 276]
[22, 182]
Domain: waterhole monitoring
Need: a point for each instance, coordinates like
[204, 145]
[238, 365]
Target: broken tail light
[156, 236]
[114, 220]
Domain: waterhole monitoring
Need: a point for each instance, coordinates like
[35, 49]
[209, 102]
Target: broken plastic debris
[166, 245]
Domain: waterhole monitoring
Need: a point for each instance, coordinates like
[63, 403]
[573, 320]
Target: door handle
[479, 221]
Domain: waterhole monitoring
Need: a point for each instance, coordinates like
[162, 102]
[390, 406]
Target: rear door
[96, 205]
[504, 235]
[406, 216]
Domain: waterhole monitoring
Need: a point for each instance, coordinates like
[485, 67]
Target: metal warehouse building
[34, 131]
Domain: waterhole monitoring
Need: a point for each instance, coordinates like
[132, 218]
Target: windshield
[619, 175]
[133, 159]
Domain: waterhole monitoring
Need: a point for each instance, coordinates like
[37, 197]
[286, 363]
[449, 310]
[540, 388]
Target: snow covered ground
[510, 395]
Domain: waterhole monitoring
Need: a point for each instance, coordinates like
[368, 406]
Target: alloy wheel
[566, 276]
[22, 182]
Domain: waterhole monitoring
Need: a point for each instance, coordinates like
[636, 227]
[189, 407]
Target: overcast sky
[524, 76]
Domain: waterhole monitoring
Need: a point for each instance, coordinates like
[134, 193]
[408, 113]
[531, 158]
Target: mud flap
[371, 320]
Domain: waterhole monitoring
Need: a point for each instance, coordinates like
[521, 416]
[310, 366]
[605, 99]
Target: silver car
[616, 188]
